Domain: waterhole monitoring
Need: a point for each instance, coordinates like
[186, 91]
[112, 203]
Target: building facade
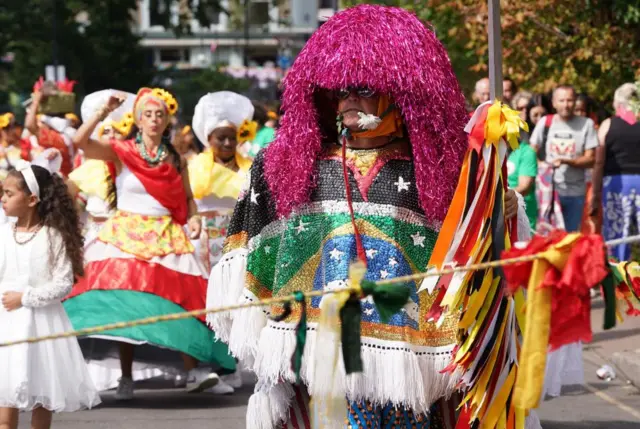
[274, 32]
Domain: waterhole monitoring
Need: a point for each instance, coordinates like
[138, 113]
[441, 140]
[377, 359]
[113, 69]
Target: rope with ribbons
[388, 300]
[340, 312]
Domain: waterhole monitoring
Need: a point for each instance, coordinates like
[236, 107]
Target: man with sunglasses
[364, 167]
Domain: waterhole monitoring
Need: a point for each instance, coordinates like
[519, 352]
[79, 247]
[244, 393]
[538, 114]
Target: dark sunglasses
[343, 94]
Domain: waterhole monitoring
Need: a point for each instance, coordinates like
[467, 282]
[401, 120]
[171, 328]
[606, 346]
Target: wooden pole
[495, 50]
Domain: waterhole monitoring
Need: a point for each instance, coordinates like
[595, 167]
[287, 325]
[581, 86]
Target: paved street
[600, 405]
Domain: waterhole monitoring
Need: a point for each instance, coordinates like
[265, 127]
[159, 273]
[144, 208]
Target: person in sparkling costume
[390, 83]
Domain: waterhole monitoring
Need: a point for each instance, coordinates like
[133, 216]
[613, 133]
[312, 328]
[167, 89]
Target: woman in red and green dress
[143, 264]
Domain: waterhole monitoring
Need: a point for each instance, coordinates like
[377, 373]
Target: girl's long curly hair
[56, 210]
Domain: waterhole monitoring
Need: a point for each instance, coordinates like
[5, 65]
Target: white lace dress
[49, 374]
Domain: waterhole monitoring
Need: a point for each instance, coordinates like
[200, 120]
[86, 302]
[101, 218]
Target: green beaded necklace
[161, 154]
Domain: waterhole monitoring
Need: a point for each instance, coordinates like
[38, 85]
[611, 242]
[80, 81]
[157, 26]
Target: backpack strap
[542, 150]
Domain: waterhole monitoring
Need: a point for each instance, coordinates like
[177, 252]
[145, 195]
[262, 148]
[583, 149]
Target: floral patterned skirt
[214, 233]
[621, 211]
[145, 236]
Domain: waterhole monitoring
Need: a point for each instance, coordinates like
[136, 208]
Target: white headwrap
[218, 109]
[52, 166]
[55, 123]
[94, 101]
[63, 127]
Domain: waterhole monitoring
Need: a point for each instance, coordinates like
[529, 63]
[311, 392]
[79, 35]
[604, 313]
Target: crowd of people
[576, 168]
[132, 211]
[125, 212]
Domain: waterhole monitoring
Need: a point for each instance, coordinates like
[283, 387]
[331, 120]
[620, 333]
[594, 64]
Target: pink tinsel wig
[389, 50]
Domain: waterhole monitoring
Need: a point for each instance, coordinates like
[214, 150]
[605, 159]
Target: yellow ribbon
[533, 358]
[328, 396]
[503, 122]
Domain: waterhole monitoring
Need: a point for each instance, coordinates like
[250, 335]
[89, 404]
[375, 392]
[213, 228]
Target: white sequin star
[336, 254]
[402, 185]
[368, 311]
[371, 253]
[267, 249]
[384, 274]
[418, 239]
[302, 227]
[254, 196]
[392, 261]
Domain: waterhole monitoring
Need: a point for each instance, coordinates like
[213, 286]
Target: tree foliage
[95, 43]
[189, 86]
[592, 44]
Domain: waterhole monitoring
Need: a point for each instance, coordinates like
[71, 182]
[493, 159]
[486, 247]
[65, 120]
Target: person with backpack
[567, 143]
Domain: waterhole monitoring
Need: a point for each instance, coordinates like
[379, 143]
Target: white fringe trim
[394, 372]
[268, 407]
[226, 283]
[532, 421]
[245, 333]
[524, 228]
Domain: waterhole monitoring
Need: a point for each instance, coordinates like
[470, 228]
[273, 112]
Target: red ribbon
[570, 299]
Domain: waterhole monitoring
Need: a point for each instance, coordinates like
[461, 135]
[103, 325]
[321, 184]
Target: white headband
[51, 165]
[24, 167]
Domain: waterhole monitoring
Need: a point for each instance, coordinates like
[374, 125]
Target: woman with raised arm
[143, 264]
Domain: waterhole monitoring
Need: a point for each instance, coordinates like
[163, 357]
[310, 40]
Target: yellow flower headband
[158, 94]
[125, 124]
[72, 117]
[6, 120]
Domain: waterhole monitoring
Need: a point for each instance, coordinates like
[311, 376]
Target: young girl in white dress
[40, 257]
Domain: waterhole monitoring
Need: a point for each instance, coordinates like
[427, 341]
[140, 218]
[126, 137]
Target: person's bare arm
[194, 223]
[598, 168]
[585, 161]
[31, 121]
[525, 185]
[95, 149]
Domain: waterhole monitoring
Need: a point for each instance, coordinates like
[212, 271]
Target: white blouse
[134, 198]
[39, 268]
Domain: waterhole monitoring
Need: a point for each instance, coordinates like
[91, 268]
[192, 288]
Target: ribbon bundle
[475, 231]
[558, 301]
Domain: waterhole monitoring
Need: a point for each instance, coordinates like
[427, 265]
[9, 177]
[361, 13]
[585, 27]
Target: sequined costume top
[311, 250]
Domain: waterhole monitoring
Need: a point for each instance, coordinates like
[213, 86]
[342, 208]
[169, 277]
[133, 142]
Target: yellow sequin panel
[254, 286]
[236, 241]
[145, 236]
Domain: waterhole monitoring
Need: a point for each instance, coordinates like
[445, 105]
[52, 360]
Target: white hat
[55, 123]
[94, 101]
[217, 109]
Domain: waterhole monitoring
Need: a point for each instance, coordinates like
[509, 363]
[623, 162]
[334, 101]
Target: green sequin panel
[261, 262]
